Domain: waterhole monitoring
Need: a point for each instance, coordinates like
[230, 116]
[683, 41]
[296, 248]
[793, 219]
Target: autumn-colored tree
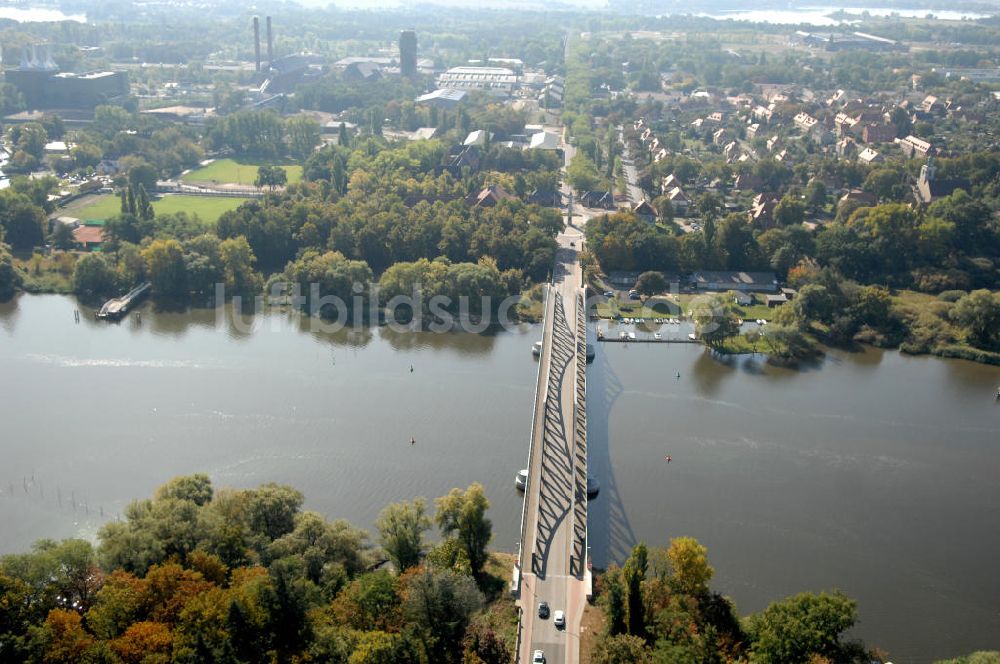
[65, 640]
[142, 641]
[689, 564]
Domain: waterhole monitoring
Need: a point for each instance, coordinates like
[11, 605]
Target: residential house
[490, 196]
[845, 124]
[479, 138]
[545, 140]
[805, 122]
[720, 136]
[598, 199]
[846, 147]
[866, 198]
[915, 147]
[761, 212]
[775, 300]
[545, 197]
[645, 211]
[423, 134]
[752, 131]
[748, 182]
[878, 133]
[870, 156]
[669, 183]
[462, 157]
[89, 237]
[731, 151]
[679, 200]
[107, 167]
[932, 105]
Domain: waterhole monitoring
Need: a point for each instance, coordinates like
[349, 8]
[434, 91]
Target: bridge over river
[552, 563]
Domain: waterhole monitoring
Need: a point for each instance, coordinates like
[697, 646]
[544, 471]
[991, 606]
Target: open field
[230, 171]
[208, 208]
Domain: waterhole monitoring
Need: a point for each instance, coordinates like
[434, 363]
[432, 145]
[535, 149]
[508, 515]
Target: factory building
[41, 83]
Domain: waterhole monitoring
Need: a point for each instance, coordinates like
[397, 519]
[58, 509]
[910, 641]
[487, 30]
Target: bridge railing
[539, 388]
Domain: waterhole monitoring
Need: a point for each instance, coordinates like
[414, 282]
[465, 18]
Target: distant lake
[874, 472]
[820, 16]
[38, 15]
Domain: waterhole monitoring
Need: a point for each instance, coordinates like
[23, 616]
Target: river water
[872, 472]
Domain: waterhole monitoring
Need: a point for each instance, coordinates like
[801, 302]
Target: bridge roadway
[552, 565]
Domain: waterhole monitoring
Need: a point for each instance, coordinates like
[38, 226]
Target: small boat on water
[521, 479]
[623, 335]
[536, 349]
[600, 333]
[593, 487]
[631, 336]
[657, 336]
[693, 337]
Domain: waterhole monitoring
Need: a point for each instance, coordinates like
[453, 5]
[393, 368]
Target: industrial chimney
[408, 53]
[270, 45]
[256, 41]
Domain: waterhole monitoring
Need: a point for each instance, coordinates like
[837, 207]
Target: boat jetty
[118, 308]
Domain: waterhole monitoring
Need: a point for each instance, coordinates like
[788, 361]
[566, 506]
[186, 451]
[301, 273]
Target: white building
[497, 80]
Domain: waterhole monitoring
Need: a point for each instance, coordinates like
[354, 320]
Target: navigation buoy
[678, 376]
[668, 458]
[412, 441]
[411, 368]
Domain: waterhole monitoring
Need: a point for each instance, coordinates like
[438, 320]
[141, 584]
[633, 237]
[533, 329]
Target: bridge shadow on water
[610, 535]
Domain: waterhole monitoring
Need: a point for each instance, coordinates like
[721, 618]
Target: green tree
[664, 208]
[10, 278]
[582, 173]
[789, 211]
[651, 283]
[801, 626]
[401, 528]
[979, 314]
[463, 514]
[22, 220]
[303, 135]
[142, 175]
[440, 605]
[613, 600]
[900, 118]
[93, 276]
[813, 303]
[715, 320]
[633, 574]
[621, 649]
[238, 266]
[165, 267]
[816, 195]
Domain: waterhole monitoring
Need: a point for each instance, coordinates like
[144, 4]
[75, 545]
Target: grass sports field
[230, 171]
[208, 208]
